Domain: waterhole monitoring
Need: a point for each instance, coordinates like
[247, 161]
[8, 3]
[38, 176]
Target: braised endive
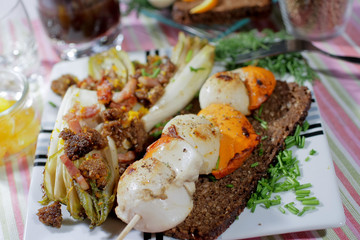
[65, 179]
[61, 184]
[194, 59]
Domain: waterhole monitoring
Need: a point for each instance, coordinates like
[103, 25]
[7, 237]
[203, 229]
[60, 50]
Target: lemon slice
[5, 104]
[205, 6]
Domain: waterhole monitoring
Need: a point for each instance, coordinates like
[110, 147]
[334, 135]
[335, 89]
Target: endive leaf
[178, 93]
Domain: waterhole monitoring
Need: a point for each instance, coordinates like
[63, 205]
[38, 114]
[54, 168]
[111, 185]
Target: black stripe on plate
[313, 100]
[46, 130]
[147, 53]
[157, 52]
[312, 134]
[159, 236]
[41, 156]
[147, 236]
[316, 125]
[39, 164]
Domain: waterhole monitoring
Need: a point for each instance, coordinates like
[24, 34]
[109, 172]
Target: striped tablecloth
[337, 92]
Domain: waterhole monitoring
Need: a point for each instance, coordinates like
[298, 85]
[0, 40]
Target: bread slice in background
[226, 11]
[217, 206]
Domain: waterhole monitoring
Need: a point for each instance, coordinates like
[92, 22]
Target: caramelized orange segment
[260, 84]
[238, 138]
[205, 6]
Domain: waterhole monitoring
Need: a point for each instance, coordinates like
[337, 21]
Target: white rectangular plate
[319, 171]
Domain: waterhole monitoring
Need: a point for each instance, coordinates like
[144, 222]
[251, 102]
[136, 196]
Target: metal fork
[288, 46]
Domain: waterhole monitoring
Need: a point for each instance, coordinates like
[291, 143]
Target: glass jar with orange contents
[19, 116]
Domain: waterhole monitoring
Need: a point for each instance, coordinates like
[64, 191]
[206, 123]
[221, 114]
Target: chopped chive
[292, 208]
[302, 186]
[305, 126]
[261, 152]
[212, 178]
[217, 163]
[311, 202]
[305, 209]
[156, 134]
[143, 73]
[305, 198]
[196, 69]
[275, 202]
[254, 164]
[307, 159]
[155, 73]
[189, 107]
[229, 185]
[264, 138]
[312, 152]
[281, 210]
[161, 124]
[297, 131]
[157, 63]
[299, 192]
[188, 56]
[263, 123]
[260, 110]
[52, 104]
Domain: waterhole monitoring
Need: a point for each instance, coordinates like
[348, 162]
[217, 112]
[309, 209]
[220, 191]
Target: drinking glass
[82, 27]
[18, 48]
[315, 20]
[19, 116]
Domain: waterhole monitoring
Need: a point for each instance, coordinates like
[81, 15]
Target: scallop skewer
[128, 227]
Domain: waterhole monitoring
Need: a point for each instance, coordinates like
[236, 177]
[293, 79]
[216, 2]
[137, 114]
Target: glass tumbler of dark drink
[81, 27]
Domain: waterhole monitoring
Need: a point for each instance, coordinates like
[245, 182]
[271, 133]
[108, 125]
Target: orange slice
[205, 6]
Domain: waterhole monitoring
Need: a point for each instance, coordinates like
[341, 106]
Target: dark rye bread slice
[226, 11]
[217, 206]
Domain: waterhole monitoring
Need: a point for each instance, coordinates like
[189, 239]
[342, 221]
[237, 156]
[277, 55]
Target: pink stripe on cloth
[340, 233]
[170, 33]
[336, 118]
[347, 184]
[352, 223]
[353, 30]
[25, 174]
[142, 35]
[298, 235]
[344, 77]
[14, 200]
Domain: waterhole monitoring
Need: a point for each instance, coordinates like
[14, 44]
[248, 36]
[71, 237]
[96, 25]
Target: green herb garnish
[227, 50]
[254, 164]
[155, 73]
[263, 123]
[52, 104]
[212, 178]
[229, 185]
[312, 152]
[196, 69]
[156, 134]
[189, 107]
[137, 5]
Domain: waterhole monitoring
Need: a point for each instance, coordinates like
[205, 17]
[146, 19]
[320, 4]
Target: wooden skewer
[128, 227]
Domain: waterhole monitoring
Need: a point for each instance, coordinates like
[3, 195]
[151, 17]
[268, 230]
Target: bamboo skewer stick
[128, 227]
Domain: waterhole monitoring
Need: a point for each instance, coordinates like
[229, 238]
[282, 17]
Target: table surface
[337, 91]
